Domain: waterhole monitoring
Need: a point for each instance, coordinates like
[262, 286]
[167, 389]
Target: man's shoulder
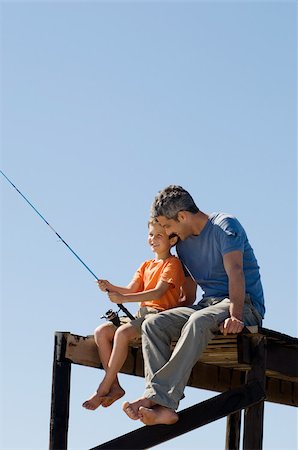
[221, 217]
[225, 221]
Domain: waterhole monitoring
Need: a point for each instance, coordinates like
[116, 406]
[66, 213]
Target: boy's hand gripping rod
[62, 240]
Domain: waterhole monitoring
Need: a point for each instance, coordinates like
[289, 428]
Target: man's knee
[203, 320]
[153, 321]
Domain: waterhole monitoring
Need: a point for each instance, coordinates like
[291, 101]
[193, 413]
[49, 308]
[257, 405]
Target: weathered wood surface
[221, 366]
[60, 395]
[254, 414]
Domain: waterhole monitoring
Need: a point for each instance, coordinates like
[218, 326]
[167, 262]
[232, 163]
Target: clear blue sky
[102, 105]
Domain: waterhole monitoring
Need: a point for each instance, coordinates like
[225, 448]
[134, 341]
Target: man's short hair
[171, 200]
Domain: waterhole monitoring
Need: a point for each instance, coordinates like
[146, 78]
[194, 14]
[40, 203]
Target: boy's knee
[102, 330]
[126, 332]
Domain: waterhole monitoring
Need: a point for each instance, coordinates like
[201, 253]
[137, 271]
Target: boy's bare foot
[93, 402]
[112, 396]
[157, 415]
[102, 399]
[132, 409]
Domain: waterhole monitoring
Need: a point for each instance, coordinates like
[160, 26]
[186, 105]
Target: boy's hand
[103, 285]
[115, 297]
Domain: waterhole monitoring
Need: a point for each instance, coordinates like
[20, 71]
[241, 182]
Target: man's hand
[231, 325]
[115, 297]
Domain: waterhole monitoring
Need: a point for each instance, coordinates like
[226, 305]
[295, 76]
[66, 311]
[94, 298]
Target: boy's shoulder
[172, 259]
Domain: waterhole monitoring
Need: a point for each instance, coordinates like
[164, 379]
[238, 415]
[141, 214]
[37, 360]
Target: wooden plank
[233, 431]
[189, 419]
[282, 338]
[282, 359]
[60, 395]
[212, 374]
[82, 350]
[254, 415]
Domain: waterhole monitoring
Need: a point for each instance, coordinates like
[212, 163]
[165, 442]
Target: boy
[157, 285]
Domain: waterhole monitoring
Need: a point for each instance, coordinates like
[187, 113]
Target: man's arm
[233, 263]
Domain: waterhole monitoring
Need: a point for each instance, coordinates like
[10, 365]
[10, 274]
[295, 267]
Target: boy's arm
[134, 286]
[151, 294]
[189, 291]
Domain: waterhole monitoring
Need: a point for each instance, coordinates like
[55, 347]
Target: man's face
[172, 226]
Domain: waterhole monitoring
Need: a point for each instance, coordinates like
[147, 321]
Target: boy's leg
[118, 357]
[103, 336]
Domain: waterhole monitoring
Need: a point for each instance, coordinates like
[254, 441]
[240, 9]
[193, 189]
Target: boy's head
[158, 239]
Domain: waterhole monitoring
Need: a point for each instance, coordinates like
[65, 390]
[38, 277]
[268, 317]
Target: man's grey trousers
[166, 373]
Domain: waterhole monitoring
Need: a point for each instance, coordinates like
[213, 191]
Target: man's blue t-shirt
[202, 257]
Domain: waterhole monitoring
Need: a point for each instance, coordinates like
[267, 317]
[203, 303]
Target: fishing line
[62, 240]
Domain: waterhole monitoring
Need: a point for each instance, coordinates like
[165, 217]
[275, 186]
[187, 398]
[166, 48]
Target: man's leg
[165, 388]
[166, 385]
[158, 332]
[163, 328]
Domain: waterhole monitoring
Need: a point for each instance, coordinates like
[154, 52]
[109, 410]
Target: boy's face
[158, 239]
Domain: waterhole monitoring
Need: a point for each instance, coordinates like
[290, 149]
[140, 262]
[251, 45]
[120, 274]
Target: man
[217, 256]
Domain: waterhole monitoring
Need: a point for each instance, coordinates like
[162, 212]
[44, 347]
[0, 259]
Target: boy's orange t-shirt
[169, 270]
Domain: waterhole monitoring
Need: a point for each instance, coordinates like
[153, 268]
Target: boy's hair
[152, 221]
[171, 200]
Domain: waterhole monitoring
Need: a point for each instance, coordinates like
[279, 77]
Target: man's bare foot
[112, 396]
[93, 402]
[157, 415]
[132, 409]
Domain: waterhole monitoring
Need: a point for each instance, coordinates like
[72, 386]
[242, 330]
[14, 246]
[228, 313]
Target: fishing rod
[108, 313]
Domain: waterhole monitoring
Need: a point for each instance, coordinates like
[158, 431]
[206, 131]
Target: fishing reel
[112, 316]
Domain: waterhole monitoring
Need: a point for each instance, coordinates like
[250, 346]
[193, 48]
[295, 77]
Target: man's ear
[181, 216]
[173, 240]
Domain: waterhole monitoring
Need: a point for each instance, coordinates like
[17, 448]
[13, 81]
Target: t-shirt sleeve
[231, 236]
[173, 273]
[139, 276]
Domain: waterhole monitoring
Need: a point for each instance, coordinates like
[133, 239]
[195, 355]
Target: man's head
[171, 200]
[174, 208]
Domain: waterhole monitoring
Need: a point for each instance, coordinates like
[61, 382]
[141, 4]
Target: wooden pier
[247, 369]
